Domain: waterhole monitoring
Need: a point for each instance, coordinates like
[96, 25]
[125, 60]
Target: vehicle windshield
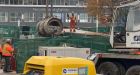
[121, 19]
[133, 21]
[137, 19]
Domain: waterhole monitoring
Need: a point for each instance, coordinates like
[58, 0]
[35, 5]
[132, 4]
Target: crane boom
[128, 4]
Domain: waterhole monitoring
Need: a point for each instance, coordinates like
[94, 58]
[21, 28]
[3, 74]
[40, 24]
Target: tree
[100, 8]
[104, 8]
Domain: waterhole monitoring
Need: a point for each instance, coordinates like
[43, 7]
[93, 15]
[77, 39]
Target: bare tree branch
[100, 7]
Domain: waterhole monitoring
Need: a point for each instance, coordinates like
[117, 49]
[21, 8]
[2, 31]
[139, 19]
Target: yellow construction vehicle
[51, 65]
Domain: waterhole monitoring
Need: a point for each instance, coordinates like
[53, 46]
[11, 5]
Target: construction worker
[0, 56]
[7, 54]
[72, 23]
[0, 51]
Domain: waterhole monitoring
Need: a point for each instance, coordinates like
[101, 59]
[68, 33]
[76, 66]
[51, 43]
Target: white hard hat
[8, 40]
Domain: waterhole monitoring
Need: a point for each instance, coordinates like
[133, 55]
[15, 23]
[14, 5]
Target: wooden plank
[83, 32]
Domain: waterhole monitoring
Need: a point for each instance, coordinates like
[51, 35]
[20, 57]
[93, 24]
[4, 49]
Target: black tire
[108, 68]
[35, 73]
[121, 69]
[134, 70]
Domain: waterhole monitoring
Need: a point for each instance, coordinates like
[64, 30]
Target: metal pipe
[51, 8]
[46, 9]
[50, 26]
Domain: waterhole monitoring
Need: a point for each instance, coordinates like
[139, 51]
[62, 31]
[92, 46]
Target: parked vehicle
[124, 57]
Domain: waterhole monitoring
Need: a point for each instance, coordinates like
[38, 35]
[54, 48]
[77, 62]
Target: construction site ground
[9, 73]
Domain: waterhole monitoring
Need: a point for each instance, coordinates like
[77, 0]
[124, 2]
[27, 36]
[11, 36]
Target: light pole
[20, 19]
[97, 18]
[18, 22]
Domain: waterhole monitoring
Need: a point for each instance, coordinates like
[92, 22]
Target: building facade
[29, 12]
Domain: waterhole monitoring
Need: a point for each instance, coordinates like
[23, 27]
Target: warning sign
[70, 71]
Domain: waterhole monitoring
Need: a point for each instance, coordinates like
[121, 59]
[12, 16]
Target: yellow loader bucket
[50, 65]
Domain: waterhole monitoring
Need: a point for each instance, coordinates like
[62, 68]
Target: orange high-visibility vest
[0, 49]
[7, 50]
[73, 19]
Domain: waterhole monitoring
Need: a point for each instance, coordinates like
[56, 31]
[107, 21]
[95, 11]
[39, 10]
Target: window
[58, 15]
[3, 17]
[81, 2]
[55, 2]
[6, 1]
[26, 2]
[41, 2]
[11, 1]
[14, 17]
[41, 16]
[31, 2]
[67, 17]
[34, 2]
[17, 1]
[83, 17]
[71, 2]
[20, 1]
[28, 17]
[121, 18]
[2, 2]
[89, 19]
[61, 2]
[136, 19]
[67, 2]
